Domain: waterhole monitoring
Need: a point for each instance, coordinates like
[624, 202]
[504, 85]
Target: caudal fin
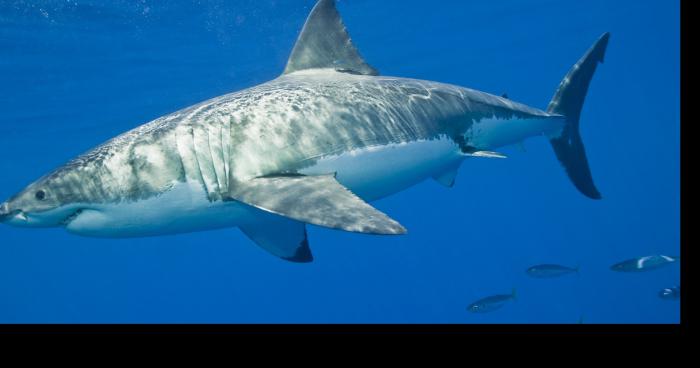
[568, 101]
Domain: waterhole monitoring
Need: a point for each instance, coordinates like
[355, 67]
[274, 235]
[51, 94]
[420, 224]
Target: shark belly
[184, 208]
[376, 172]
[371, 172]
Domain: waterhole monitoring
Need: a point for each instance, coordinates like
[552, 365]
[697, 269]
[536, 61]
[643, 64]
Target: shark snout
[11, 216]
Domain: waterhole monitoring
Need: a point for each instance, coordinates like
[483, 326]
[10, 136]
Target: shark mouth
[11, 215]
[72, 217]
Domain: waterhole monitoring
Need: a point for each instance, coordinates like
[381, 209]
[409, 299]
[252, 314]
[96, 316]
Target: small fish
[672, 293]
[545, 271]
[643, 263]
[491, 303]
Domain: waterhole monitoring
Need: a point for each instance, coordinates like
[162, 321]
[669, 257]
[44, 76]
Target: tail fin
[568, 101]
[513, 294]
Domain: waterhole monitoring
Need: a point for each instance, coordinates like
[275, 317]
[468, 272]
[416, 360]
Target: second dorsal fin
[324, 43]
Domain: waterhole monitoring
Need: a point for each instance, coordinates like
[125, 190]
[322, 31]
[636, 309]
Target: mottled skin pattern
[278, 127]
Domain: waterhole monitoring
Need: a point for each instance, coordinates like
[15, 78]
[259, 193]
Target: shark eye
[40, 195]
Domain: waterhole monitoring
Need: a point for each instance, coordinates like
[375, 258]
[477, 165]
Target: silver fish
[672, 293]
[550, 271]
[647, 263]
[491, 303]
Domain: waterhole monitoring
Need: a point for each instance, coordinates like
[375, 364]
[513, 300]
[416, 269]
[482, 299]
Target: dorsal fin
[324, 43]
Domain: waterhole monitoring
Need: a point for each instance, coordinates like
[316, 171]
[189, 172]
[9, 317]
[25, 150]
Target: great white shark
[312, 146]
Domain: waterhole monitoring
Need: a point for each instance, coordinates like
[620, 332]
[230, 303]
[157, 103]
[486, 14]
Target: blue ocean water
[76, 73]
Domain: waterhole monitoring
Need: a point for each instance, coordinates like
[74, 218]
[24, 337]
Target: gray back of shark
[312, 146]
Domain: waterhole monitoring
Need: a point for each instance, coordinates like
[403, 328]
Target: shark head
[44, 203]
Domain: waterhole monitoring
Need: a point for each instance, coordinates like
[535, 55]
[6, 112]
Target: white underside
[495, 133]
[376, 172]
[184, 208]
[371, 173]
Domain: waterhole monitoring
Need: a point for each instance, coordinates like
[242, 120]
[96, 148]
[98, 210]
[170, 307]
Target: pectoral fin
[318, 200]
[278, 235]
